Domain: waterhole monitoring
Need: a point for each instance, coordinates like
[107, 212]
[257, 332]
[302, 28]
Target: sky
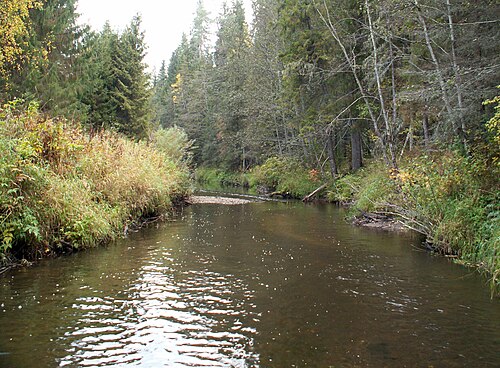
[163, 21]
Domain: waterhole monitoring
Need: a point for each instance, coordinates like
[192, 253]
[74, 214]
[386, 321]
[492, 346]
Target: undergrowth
[286, 176]
[452, 199]
[209, 176]
[62, 189]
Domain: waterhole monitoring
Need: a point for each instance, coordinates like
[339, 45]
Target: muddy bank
[377, 221]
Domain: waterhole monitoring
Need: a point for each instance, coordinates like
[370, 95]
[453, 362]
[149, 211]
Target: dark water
[257, 285]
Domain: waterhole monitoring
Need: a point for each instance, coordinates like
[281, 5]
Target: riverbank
[62, 189]
[451, 199]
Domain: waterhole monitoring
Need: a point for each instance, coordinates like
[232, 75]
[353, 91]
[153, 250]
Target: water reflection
[259, 285]
[167, 317]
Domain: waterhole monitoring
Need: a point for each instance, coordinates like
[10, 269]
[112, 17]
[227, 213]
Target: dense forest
[392, 105]
[332, 81]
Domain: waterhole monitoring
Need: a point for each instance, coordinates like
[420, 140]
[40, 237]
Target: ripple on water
[166, 319]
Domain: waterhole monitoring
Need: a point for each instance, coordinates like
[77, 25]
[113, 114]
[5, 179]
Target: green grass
[282, 175]
[286, 175]
[61, 189]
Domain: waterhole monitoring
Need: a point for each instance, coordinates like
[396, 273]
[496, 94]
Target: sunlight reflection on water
[169, 319]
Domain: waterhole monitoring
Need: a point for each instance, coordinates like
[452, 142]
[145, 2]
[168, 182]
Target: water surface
[256, 285]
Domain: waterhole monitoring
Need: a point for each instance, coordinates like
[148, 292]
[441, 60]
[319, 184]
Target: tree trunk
[305, 150]
[244, 159]
[356, 150]
[458, 80]
[276, 130]
[310, 196]
[425, 126]
[385, 116]
[331, 153]
[441, 80]
[411, 137]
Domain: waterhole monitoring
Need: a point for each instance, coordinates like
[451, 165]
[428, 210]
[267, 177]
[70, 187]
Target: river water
[255, 285]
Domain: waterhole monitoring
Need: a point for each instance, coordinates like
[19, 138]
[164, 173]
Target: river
[254, 285]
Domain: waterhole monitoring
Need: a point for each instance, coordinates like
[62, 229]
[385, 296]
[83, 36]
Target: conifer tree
[117, 93]
[231, 57]
[130, 91]
[54, 43]
[160, 97]
[98, 79]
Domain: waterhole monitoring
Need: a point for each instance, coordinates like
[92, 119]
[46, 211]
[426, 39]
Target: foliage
[285, 176]
[14, 26]
[369, 190]
[116, 92]
[452, 199]
[213, 177]
[493, 124]
[174, 143]
[48, 67]
[61, 189]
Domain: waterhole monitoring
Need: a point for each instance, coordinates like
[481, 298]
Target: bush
[286, 175]
[175, 143]
[276, 174]
[456, 199]
[344, 189]
[216, 177]
[369, 189]
[61, 189]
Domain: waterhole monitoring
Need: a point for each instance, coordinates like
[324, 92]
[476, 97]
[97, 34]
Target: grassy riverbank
[453, 200]
[62, 189]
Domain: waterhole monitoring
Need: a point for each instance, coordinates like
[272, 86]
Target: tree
[332, 81]
[189, 74]
[130, 91]
[98, 79]
[14, 26]
[231, 55]
[53, 77]
[160, 97]
[266, 131]
[116, 91]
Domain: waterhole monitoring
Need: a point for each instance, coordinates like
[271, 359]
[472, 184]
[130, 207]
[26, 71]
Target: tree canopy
[328, 82]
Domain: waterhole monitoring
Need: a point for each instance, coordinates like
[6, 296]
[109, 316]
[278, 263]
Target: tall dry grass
[62, 189]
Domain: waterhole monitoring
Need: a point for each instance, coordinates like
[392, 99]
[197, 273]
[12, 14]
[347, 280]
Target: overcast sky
[164, 21]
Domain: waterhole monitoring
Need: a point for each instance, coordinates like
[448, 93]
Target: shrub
[369, 189]
[456, 198]
[286, 175]
[213, 177]
[62, 189]
[175, 143]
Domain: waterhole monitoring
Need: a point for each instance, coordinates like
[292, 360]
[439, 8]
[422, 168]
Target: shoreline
[195, 199]
[381, 222]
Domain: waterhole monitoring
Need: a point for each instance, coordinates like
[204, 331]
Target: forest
[392, 107]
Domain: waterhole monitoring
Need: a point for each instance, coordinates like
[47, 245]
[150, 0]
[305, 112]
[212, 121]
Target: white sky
[163, 21]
